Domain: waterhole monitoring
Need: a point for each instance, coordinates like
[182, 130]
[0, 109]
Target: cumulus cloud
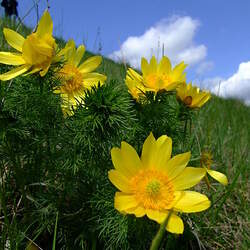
[204, 67]
[236, 86]
[176, 35]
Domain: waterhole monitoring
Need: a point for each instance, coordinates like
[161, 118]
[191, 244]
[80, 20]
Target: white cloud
[236, 86]
[177, 36]
[204, 67]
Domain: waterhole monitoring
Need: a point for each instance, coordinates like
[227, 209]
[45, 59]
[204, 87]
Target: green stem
[55, 231]
[158, 237]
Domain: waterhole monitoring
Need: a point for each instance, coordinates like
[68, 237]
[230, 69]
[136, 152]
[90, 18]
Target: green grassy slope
[223, 126]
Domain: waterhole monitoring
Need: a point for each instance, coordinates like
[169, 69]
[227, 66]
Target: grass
[223, 125]
[223, 128]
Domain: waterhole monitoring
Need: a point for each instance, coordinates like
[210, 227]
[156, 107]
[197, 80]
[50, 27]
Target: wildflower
[35, 53]
[191, 96]
[155, 184]
[206, 162]
[155, 76]
[76, 78]
[135, 88]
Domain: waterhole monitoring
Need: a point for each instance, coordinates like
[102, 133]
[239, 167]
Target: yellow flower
[191, 96]
[35, 53]
[155, 76]
[206, 162]
[155, 184]
[77, 77]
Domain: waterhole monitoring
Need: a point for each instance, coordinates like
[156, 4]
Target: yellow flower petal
[90, 64]
[188, 178]
[44, 71]
[93, 78]
[204, 99]
[119, 180]
[156, 215]
[14, 73]
[162, 140]
[120, 163]
[130, 156]
[175, 224]
[32, 71]
[191, 202]
[153, 65]
[70, 49]
[137, 211]
[178, 71]
[172, 86]
[45, 25]
[124, 201]
[36, 51]
[221, 178]
[79, 54]
[11, 58]
[177, 164]
[181, 90]
[164, 66]
[144, 66]
[133, 88]
[157, 153]
[14, 39]
[135, 76]
[163, 152]
[70, 45]
[148, 151]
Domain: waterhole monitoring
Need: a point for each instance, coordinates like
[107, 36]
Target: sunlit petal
[14, 39]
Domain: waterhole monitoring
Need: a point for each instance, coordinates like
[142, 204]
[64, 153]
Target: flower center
[188, 100]
[157, 81]
[206, 159]
[152, 189]
[71, 79]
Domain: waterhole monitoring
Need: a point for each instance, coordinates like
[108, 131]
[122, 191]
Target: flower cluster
[39, 51]
[161, 77]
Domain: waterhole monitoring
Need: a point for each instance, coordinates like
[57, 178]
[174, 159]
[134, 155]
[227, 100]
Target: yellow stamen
[157, 81]
[206, 159]
[71, 79]
[152, 189]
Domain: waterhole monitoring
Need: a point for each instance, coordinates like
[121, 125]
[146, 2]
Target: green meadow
[54, 186]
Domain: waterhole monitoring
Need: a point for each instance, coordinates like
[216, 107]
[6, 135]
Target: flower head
[206, 163]
[191, 96]
[77, 77]
[155, 184]
[155, 76]
[35, 53]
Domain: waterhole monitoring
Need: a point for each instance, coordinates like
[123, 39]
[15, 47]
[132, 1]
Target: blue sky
[214, 38]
